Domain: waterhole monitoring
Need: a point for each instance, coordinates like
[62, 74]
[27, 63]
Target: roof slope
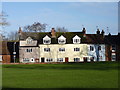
[88, 38]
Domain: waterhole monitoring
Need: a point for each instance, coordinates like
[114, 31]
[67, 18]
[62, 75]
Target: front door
[66, 59]
[85, 59]
[42, 59]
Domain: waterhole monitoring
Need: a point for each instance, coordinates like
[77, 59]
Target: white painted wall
[69, 51]
[94, 53]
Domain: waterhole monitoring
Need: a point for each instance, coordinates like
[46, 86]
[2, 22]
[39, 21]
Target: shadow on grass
[66, 88]
[69, 66]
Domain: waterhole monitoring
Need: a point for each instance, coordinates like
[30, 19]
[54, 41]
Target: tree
[3, 23]
[61, 29]
[13, 35]
[3, 19]
[36, 27]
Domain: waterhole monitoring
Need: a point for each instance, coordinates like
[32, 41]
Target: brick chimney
[102, 32]
[53, 33]
[98, 31]
[84, 31]
[20, 32]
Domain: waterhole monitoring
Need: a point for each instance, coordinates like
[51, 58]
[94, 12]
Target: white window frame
[61, 40]
[76, 59]
[92, 47]
[46, 49]
[32, 59]
[46, 38]
[59, 59]
[76, 39]
[29, 50]
[99, 48]
[61, 49]
[29, 40]
[26, 60]
[76, 49]
[49, 60]
[1, 58]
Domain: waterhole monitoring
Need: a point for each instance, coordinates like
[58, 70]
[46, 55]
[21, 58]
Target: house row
[60, 47]
[68, 46]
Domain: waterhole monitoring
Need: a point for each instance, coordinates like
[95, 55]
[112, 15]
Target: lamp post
[14, 53]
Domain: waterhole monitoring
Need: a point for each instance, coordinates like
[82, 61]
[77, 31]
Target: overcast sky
[70, 15]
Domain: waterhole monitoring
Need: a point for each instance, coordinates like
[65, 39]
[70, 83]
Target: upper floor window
[91, 48]
[99, 47]
[28, 50]
[29, 40]
[47, 49]
[61, 49]
[61, 40]
[76, 49]
[76, 39]
[46, 40]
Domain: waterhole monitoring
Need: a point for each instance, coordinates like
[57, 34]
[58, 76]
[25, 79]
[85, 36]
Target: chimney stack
[84, 30]
[20, 32]
[102, 32]
[53, 33]
[98, 31]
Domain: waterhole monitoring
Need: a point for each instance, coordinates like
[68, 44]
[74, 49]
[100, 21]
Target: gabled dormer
[46, 40]
[76, 39]
[61, 40]
[29, 40]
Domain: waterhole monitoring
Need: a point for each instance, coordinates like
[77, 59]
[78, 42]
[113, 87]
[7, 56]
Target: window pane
[99, 47]
[61, 49]
[47, 49]
[91, 48]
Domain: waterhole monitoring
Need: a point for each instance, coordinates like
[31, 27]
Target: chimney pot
[53, 33]
[84, 30]
[98, 31]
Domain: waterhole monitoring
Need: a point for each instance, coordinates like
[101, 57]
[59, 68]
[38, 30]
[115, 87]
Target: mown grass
[71, 75]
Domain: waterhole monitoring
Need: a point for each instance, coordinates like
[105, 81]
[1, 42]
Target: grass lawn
[71, 75]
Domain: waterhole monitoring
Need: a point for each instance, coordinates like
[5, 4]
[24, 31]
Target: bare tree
[13, 35]
[36, 27]
[3, 19]
[3, 23]
[61, 29]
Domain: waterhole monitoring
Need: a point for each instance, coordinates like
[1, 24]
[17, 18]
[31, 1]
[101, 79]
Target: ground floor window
[59, 59]
[113, 57]
[0, 58]
[76, 59]
[91, 58]
[25, 59]
[49, 59]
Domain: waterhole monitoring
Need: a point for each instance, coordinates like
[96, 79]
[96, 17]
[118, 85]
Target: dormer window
[61, 40]
[29, 40]
[46, 40]
[76, 39]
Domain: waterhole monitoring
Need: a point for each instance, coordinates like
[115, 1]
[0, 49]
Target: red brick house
[4, 54]
[7, 49]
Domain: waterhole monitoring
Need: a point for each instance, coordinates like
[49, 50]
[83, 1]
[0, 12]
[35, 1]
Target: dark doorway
[85, 59]
[66, 59]
[42, 59]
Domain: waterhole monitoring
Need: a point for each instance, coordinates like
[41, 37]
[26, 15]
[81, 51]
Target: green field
[71, 75]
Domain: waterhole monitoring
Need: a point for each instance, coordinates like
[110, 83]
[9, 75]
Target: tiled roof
[89, 38]
[112, 39]
[6, 48]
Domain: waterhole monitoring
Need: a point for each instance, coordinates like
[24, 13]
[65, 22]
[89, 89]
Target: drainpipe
[14, 53]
